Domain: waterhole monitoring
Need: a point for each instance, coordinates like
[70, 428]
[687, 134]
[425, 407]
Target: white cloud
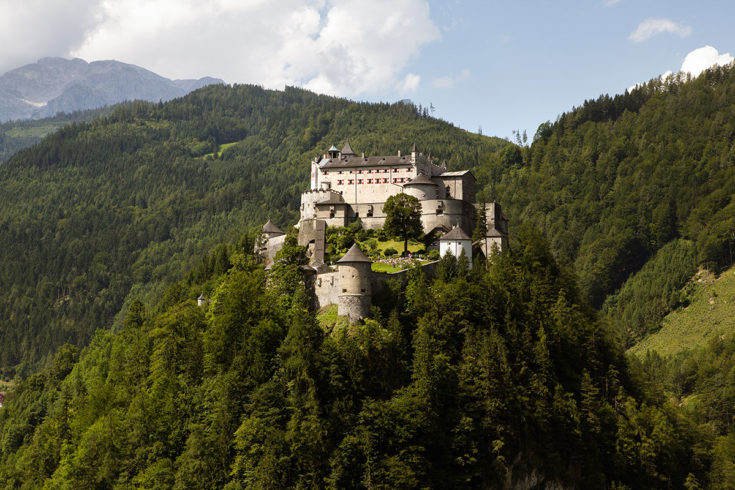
[449, 81]
[702, 58]
[651, 27]
[410, 83]
[32, 29]
[610, 3]
[341, 47]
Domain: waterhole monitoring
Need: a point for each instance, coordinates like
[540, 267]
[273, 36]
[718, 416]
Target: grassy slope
[710, 313]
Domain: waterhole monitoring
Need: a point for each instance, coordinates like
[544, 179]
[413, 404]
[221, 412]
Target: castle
[346, 187]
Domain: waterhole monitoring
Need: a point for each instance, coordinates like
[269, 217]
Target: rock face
[54, 85]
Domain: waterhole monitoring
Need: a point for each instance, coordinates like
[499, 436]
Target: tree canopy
[403, 218]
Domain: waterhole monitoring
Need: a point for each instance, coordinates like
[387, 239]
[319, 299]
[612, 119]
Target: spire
[354, 254]
[347, 149]
[269, 227]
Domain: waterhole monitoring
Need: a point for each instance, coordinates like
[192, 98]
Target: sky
[490, 66]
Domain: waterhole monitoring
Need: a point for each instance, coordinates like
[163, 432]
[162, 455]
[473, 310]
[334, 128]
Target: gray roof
[354, 254]
[420, 179]
[493, 232]
[458, 173]
[455, 234]
[347, 149]
[376, 161]
[333, 199]
[269, 227]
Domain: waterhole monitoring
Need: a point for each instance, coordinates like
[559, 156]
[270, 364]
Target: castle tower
[271, 231]
[355, 295]
[456, 242]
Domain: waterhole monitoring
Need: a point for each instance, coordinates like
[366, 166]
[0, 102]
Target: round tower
[421, 187]
[355, 295]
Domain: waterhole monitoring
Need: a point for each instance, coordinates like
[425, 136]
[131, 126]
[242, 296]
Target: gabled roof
[457, 173]
[493, 232]
[269, 227]
[332, 199]
[420, 179]
[354, 254]
[455, 234]
[347, 149]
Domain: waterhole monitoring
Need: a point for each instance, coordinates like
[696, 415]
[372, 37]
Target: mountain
[54, 85]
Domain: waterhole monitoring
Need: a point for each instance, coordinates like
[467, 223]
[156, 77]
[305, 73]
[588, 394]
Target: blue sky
[497, 65]
[526, 62]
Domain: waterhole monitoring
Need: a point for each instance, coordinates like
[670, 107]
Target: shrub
[390, 251]
[433, 254]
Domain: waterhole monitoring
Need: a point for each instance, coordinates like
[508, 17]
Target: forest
[513, 372]
[475, 378]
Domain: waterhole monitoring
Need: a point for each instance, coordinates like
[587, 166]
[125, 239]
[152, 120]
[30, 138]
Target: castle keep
[346, 187]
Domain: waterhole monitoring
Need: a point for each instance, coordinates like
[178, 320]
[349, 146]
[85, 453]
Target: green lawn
[413, 246]
[711, 313]
[381, 267]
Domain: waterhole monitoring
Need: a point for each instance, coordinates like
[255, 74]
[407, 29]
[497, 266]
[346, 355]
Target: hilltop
[118, 207]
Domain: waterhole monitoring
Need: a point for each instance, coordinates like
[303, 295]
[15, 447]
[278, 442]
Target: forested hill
[125, 204]
[612, 182]
[498, 377]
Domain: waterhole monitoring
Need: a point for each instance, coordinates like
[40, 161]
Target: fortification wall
[326, 289]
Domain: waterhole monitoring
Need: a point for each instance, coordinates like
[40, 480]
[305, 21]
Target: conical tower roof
[269, 227]
[347, 149]
[354, 254]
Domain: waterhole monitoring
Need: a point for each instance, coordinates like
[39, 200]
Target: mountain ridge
[53, 85]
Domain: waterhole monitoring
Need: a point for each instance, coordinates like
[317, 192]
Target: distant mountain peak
[55, 84]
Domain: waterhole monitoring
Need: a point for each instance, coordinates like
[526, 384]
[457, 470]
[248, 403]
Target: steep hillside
[54, 85]
[116, 207]
[487, 378]
[709, 314]
[613, 181]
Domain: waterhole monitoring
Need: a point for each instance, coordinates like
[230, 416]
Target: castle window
[325, 172]
[340, 172]
[370, 181]
[370, 171]
[359, 171]
[350, 181]
[344, 290]
[449, 194]
[370, 210]
[359, 181]
[385, 181]
[395, 180]
[340, 182]
[396, 169]
[362, 290]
